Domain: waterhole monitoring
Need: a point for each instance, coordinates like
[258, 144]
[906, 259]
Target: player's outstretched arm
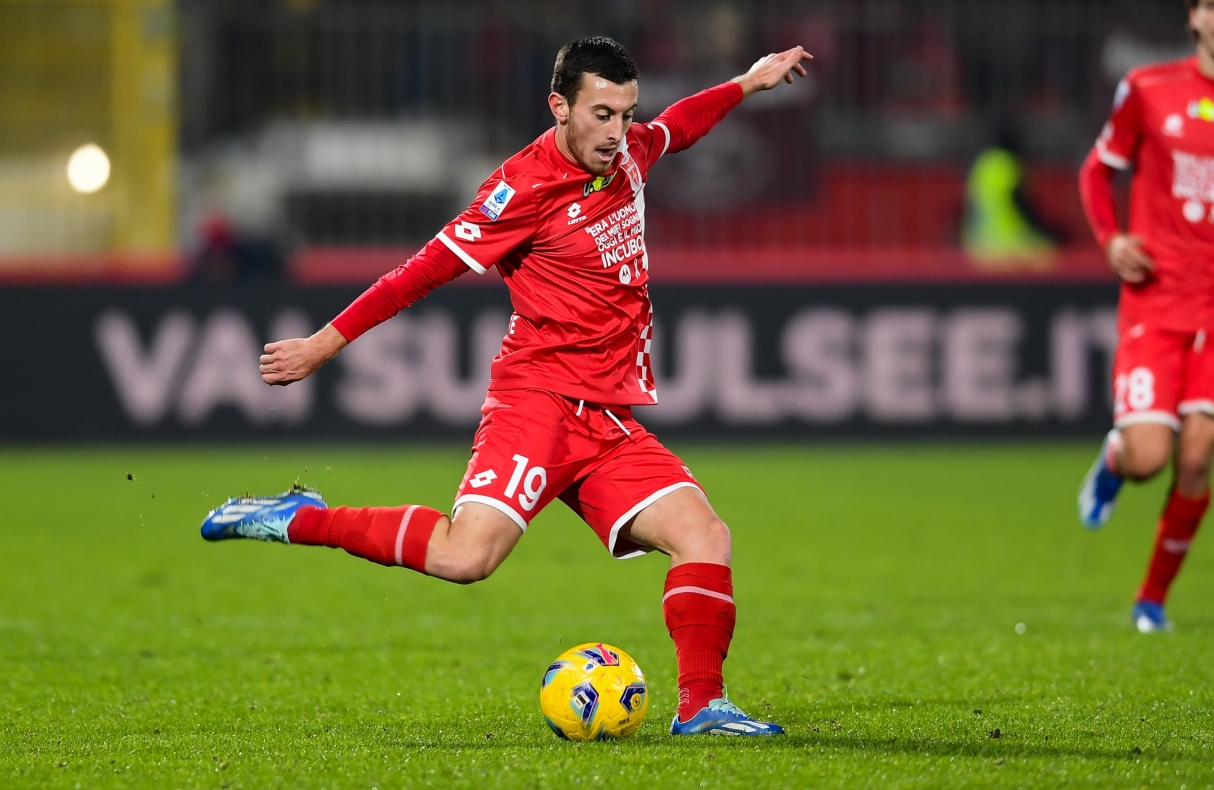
[688, 120]
[770, 70]
[288, 361]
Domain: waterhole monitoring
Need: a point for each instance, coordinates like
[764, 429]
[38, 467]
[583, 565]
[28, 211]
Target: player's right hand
[1128, 259]
[288, 361]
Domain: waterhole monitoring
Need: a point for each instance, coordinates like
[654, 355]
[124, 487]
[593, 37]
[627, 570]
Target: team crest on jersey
[597, 185]
[495, 204]
[1202, 109]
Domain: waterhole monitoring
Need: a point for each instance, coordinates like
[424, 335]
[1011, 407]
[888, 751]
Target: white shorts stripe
[697, 591]
[1195, 407]
[400, 534]
[1136, 417]
[493, 503]
[632, 511]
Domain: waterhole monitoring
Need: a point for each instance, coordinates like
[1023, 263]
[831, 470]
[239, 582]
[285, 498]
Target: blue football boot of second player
[722, 717]
[1149, 617]
[1099, 492]
[259, 518]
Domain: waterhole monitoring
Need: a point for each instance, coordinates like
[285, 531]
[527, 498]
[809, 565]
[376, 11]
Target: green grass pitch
[880, 592]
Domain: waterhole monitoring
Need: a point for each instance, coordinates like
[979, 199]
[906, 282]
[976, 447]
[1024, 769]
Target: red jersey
[571, 249]
[1163, 124]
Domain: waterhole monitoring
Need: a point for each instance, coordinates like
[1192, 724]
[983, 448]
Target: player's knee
[710, 541]
[1143, 461]
[1193, 468]
[466, 567]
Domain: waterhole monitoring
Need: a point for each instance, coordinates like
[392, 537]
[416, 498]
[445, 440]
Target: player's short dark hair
[598, 55]
[1193, 5]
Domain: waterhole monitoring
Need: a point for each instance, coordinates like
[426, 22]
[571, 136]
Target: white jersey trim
[481, 499]
[666, 145]
[1111, 159]
[468, 260]
[637, 508]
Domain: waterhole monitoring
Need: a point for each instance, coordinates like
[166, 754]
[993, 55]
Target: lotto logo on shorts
[1134, 391]
[482, 479]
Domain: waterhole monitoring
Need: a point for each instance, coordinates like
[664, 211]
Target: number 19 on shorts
[533, 480]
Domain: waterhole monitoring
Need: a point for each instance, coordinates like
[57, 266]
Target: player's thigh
[1149, 372]
[473, 544]
[523, 455]
[1196, 445]
[1148, 375]
[631, 478]
[1146, 449]
[683, 525]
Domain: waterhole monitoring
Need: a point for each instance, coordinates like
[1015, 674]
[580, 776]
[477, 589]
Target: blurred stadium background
[895, 245]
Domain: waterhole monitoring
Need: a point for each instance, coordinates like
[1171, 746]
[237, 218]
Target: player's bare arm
[770, 70]
[1128, 258]
[288, 361]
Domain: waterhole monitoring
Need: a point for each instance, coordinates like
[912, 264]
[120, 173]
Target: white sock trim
[697, 591]
[400, 533]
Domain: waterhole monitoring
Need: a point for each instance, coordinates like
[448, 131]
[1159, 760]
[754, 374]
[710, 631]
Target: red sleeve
[686, 121]
[433, 266]
[1119, 140]
[499, 220]
[1096, 190]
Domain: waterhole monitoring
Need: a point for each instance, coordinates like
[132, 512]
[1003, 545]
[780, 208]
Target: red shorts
[533, 446]
[1160, 376]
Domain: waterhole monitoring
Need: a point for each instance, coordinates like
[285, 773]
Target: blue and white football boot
[722, 717]
[1099, 492]
[260, 518]
[1149, 618]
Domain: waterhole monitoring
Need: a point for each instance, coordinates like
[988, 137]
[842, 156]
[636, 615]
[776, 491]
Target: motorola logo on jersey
[597, 184]
[467, 231]
[1203, 109]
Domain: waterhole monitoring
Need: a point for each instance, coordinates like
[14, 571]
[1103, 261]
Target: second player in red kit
[564, 222]
[1162, 126]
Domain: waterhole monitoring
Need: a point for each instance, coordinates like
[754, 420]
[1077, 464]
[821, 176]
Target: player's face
[593, 127]
[1201, 19]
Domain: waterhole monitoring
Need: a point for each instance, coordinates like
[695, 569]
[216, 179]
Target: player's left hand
[288, 361]
[769, 71]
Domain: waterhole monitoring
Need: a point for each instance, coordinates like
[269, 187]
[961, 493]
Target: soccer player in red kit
[564, 222]
[1162, 126]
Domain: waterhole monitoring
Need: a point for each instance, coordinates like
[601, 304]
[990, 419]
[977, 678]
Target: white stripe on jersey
[471, 262]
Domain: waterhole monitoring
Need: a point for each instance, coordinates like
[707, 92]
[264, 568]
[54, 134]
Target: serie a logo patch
[495, 204]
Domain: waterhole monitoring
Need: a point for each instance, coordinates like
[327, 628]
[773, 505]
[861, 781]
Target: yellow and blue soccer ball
[594, 692]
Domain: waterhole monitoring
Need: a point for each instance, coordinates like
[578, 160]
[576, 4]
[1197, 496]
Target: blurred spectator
[1001, 229]
[228, 259]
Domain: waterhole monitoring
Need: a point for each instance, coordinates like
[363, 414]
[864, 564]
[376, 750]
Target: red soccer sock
[387, 535]
[700, 615]
[1177, 526]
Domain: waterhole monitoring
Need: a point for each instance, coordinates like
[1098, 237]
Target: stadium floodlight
[88, 169]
